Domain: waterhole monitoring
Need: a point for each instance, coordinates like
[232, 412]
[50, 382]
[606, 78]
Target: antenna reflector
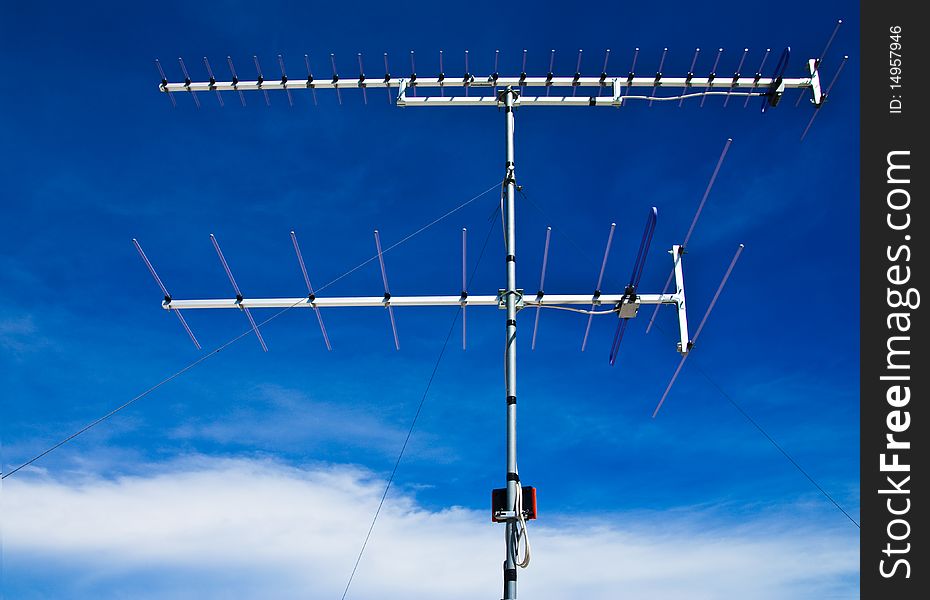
[639, 264]
[699, 329]
[697, 214]
[822, 55]
[825, 94]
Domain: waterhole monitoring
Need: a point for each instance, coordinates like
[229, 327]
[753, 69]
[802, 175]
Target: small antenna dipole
[632, 73]
[187, 81]
[758, 74]
[413, 74]
[239, 297]
[387, 78]
[604, 72]
[442, 76]
[712, 76]
[658, 80]
[467, 78]
[542, 284]
[312, 296]
[464, 282]
[164, 291]
[496, 74]
[219, 96]
[690, 75]
[595, 299]
[310, 78]
[736, 77]
[577, 77]
[361, 78]
[290, 99]
[387, 290]
[332, 60]
[235, 79]
[164, 82]
[699, 329]
[550, 74]
[261, 80]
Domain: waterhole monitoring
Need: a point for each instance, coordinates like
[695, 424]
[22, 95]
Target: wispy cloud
[287, 532]
[19, 335]
[291, 419]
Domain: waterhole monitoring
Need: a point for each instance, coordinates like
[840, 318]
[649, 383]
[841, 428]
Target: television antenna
[509, 93]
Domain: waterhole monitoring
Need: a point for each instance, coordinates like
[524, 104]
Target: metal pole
[510, 357]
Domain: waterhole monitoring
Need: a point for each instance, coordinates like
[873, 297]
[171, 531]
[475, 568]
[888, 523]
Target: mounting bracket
[817, 93]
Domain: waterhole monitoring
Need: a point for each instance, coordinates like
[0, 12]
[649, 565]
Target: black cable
[416, 416]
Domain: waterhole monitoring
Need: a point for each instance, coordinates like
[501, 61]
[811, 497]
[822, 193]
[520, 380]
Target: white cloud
[195, 525]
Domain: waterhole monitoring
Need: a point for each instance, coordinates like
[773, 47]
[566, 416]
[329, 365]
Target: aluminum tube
[510, 355]
[364, 301]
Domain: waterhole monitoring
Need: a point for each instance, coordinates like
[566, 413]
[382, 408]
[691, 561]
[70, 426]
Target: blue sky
[94, 156]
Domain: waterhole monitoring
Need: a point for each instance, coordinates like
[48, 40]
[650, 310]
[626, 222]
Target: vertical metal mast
[510, 357]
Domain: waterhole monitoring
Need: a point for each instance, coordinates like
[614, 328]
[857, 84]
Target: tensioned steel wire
[235, 339]
[416, 415]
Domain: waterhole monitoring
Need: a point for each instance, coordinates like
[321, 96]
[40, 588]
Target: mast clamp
[502, 298]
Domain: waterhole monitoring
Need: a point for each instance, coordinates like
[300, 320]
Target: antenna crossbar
[716, 83]
[379, 301]
[688, 86]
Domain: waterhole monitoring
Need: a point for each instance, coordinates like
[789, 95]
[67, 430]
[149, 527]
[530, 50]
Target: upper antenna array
[534, 90]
